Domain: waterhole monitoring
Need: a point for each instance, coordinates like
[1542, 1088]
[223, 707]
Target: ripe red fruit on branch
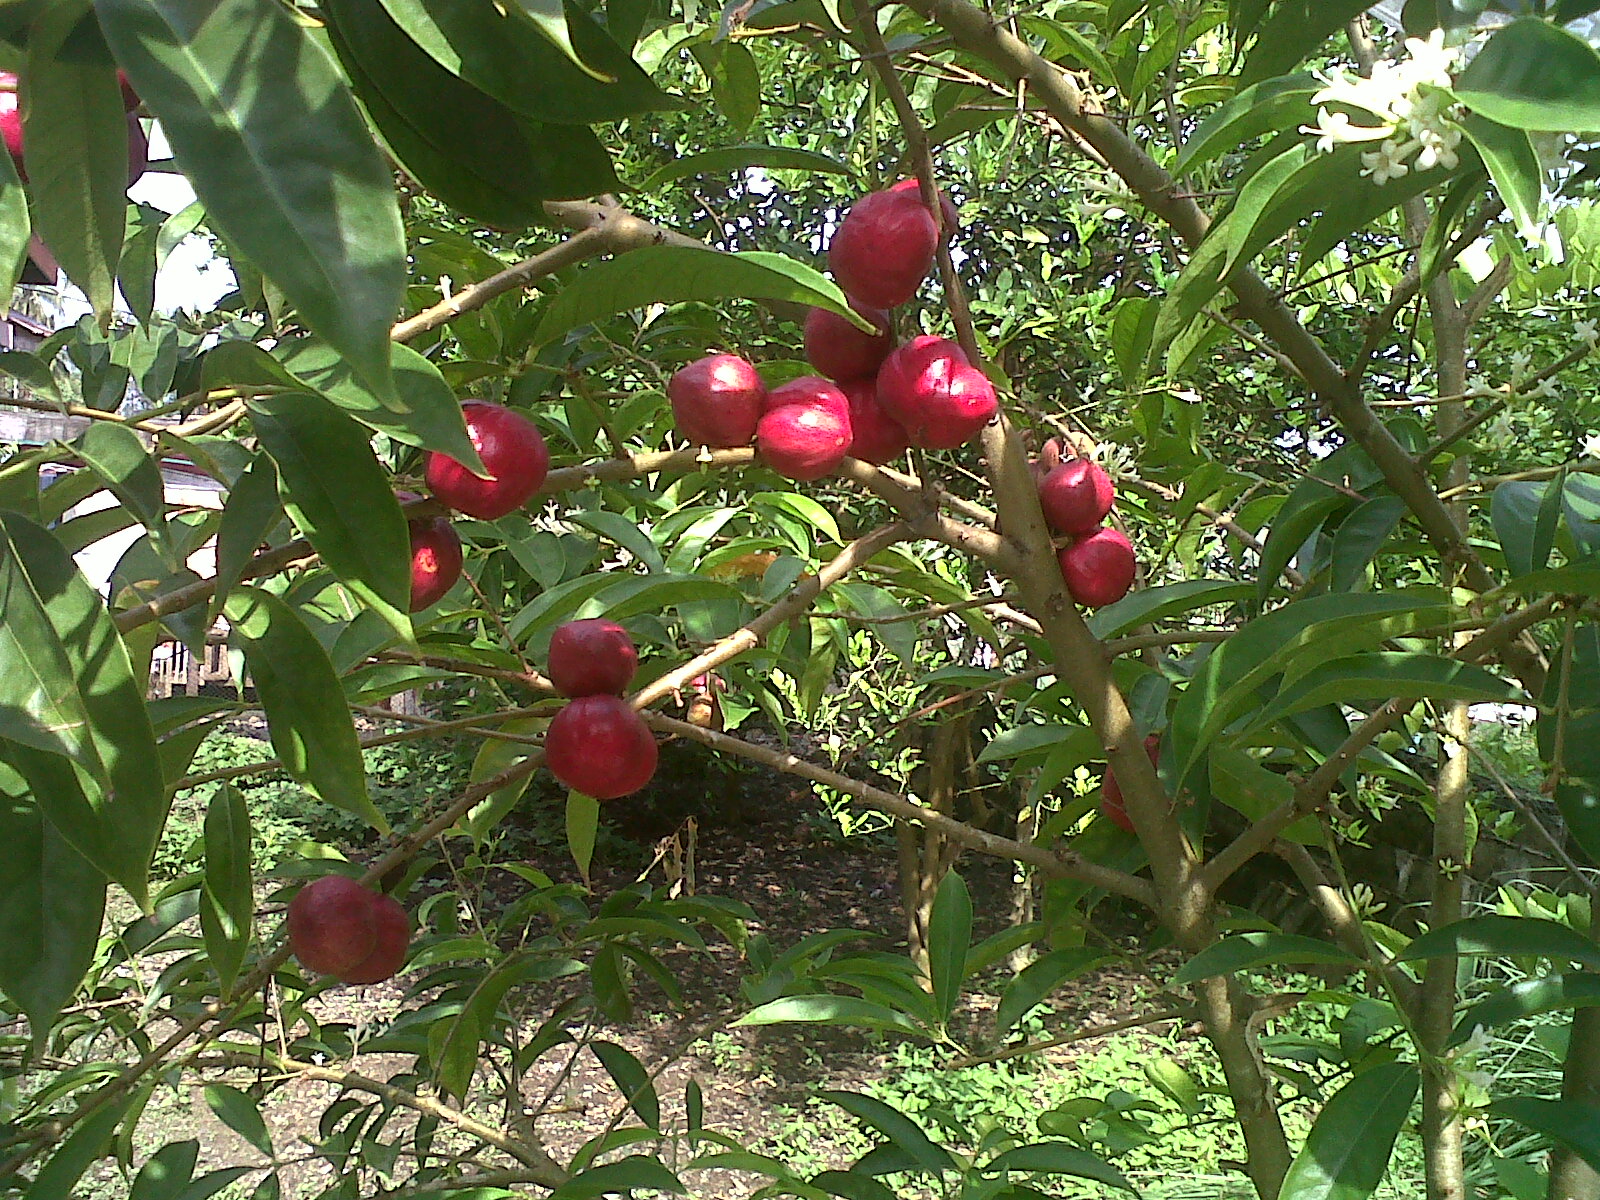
[949, 215]
[806, 430]
[391, 937]
[435, 560]
[599, 746]
[330, 924]
[1111, 801]
[935, 393]
[839, 350]
[512, 451]
[809, 391]
[1076, 496]
[875, 436]
[884, 248]
[717, 400]
[593, 657]
[1098, 569]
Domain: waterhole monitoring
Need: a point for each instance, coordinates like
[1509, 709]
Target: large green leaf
[1348, 1149]
[15, 225]
[632, 1080]
[1040, 978]
[306, 714]
[1265, 107]
[115, 453]
[1059, 1158]
[672, 274]
[502, 53]
[1292, 31]
[1497, 936]
[51, 903]
[901, 1130]
[1575, 1125]
[1384, 674]
[340, 496]
[262, 124]
[252, 511]
[620, 1178]
[1245, 951]
[1147, 605]
[1513, 165]
[1525, 516]
[1528, 998]
[77, 158]
[69, 699]
[227, 903]
[949, 936]
[1532, 75]
[829, 1010]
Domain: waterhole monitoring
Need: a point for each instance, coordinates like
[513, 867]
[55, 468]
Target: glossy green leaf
[1246, 951]
[725, 159]
[1497, 936]
[306, 714]
[253, 510]
[341, 498]
[829, 1010]
[1533, 75]
[115, 453]
[632, 1080]
[1347, 1151]
[227, 903]
[504, 54]
[1039, 979]
[583, 826]
[620, 1178]
[1513, 165]
[1359, 538]
[1293, 30]
[494, 756]
[1528, 998]
[1148, 605]
[264, 128]
[77, 159]
[900, 1129]
[90, 1140]
[735, 81]
[1059, 1158]
[672, 274]
[949, 936]
[1382, 675]
[1262, 108]
[15, 225]
[166, 1173]
[1573, 1124]
[1310, 505]
[1253, 791]
[851, 1186]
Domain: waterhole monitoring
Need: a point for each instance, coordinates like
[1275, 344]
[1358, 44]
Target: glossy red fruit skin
[1076, 496]
[599, 746]
[842, 352]
[513, 452]
[810, 391]
[930, 388]
[330, 924]
[594, 657]
[717, 400]
[948, 213]
[804, 442]
[391, 926]
[1098, 569]
[436, 560]
[875, 436]
[883, 249]
[1111, 802]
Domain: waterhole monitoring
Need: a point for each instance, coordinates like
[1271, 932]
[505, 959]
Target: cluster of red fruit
[339, 928]
[11, 126]
[870, 399]
[1112, 804]
[1076, 495]
[598, 744]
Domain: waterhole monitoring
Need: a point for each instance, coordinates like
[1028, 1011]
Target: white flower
[1591, 445]
[1334, 128]
[1477, 385]
[1545, 389]
[1118, 461]
[1430, 60]
[1587, 332]
[1384, 163]
[1521, 360]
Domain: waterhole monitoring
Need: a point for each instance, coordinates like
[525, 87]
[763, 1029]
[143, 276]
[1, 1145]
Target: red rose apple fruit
[930, 388]
[1076, 496]
[875, 436]
[330, 925]
[512, 451]
[717, 400]
[594, 657]
[1098, 569]
[11, 128]
[599, 746]
[805, 441]
[809, 391]
[883, 248]
[839, 350]
[949, 215]
[435, 561]
[1111, 801]
[391, 926]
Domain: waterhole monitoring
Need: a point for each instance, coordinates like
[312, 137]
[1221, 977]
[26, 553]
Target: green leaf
[1532, 75]
[1385, 674]
[1059, 1158]
[69, 699]
[15, 225]
[1513, 165]
[735, 81]
[90, 1140]
[949, 936]
[263, 127]
[1249, 788]
[1265, 107]
[494, 756]
[1310, 505]
[1528, 998]
[1246, 951]
[1579, 802]
[306, 714]
[851, 1186]
[1359, 538]
[1525, 516]
[227, 904]
[1575, 1125]
[1348, 1148]
[76, 133]
[503, 54]
[1497, 936]
[340, 497]
[1293, 31]
[1040, 978]
[673, 274]
[632, 1080]
[829, 1010]
[620, 1178]
[726, 159]
[583, 824]
[51, 903]
[1148, 605]
[1131, 330]
[251, 513]
[117, 456]
[901, 1130]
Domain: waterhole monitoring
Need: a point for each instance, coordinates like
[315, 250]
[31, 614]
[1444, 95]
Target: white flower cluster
[1416, 123]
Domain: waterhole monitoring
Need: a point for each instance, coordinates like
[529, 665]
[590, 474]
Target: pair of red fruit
[1076, 496]
[598, 744]
[339, 928]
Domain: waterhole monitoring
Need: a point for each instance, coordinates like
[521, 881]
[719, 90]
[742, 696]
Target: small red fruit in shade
[594, 657]
[883, 249]
[1111, 801]
[599, 746]
[949, 215]
[839, 350]
[330, 925]
[512, 451]
[804, 442]
[435, 561]
[875, 436]
[1076, 496]
[717, 400]
[391, 926]
[930, 388]
[1099, 568]
[138, 150]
